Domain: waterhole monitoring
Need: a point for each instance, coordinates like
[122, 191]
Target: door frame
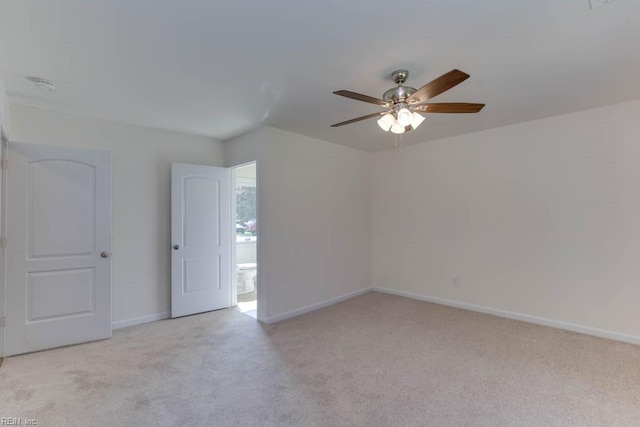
[261, 291]
[3, 232]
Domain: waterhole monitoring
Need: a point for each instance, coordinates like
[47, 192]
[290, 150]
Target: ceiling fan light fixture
[386, 121]
[405, 105]
[416, 120]
[397, 128]
[405, 117]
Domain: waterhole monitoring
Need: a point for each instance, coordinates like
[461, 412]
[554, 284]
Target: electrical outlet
[455, 281]
[599, 3]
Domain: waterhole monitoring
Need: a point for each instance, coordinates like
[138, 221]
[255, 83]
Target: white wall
[313, 208]
[540, 218]
[141, 196]
[4, 107]
[3, 127]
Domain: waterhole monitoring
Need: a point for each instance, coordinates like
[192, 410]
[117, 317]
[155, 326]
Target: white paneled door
[201, 239]
[58, 282]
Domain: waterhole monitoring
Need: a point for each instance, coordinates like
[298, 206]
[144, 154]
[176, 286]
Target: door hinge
[3, 322]
[3, 242]
[5, 164]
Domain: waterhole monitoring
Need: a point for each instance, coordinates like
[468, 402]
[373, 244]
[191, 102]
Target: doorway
[246, 238]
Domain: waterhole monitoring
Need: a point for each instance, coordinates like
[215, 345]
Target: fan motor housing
[398, 94]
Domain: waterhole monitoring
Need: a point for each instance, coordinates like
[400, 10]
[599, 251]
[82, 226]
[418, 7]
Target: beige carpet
[376, 360]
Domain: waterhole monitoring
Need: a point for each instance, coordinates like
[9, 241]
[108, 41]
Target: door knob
[104, 254]
[176, 247]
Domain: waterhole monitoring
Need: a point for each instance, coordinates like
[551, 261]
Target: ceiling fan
[404, 105]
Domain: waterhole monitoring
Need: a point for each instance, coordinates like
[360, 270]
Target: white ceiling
[220, 69]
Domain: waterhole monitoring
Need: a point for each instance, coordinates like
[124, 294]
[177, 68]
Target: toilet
[246, 273]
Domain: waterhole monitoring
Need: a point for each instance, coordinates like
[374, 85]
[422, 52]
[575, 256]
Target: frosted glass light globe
[405, 117]
[397, 128]
[416, 120]
[386, 121]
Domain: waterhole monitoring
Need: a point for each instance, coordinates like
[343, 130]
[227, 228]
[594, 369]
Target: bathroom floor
[248, 304]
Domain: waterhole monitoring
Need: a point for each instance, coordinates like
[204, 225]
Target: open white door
[58, 283]
[201, 239]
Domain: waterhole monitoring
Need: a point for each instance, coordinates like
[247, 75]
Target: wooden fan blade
[449, 107]
[360, 97]
[368, 116]
[437, 86]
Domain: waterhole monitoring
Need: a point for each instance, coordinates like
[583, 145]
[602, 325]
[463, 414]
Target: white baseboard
[139, 320]
[632, 339]
[313, 307]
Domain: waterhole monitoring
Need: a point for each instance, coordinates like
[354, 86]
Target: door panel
[59, 223]
[64, 190]
[47, 294]
[201, 274]
[201, 238]
[202, 212]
